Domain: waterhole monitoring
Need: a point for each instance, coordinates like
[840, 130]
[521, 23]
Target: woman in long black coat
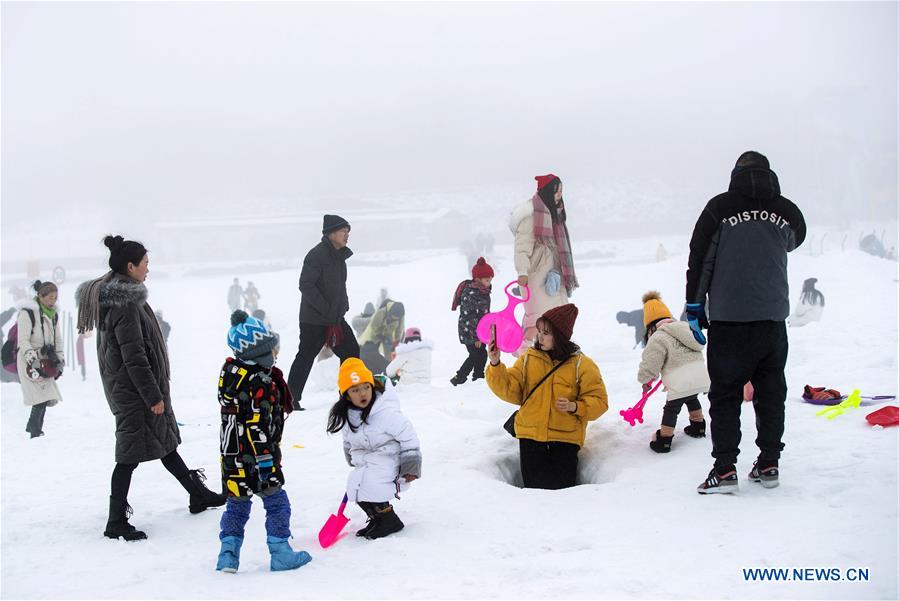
[134, 366]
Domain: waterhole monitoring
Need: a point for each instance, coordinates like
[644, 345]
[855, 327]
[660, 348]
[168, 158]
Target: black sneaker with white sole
[767, 476]
[725, 482]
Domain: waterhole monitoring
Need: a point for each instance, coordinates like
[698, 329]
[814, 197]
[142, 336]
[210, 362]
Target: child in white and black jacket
[379, 442]
[473, 300]
[672, 351]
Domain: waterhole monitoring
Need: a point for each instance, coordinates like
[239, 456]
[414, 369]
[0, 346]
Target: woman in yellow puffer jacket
[552, 423]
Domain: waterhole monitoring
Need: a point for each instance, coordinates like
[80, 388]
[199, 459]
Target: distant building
[290, 236]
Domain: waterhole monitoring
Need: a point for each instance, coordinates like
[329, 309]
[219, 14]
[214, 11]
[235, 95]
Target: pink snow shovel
[635, 413]
[330, 532]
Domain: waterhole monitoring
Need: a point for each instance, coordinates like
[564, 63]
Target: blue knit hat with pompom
[249, 338]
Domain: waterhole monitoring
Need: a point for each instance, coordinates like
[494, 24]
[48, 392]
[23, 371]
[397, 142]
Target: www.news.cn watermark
[806, 574]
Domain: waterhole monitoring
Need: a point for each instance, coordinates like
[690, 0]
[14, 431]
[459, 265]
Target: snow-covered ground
[634, 528]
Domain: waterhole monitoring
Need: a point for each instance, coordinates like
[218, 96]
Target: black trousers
[312, 339]
[550, 465]
[36, 420]
[738, 353]
[121, 475]
[373, 358]
[476, 361]
[672, 408]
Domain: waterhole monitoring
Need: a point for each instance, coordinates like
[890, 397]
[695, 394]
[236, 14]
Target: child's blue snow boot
[229, 556]
[285, 558]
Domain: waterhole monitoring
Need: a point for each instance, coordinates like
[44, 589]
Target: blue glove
[697, 319]
[553, 282]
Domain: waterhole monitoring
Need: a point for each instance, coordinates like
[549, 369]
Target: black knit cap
[752, 159]
[332, 223]
[122, 252]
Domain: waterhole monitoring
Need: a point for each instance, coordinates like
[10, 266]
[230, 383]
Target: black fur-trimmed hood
[122, 291]
[117, 292]
[109, 290]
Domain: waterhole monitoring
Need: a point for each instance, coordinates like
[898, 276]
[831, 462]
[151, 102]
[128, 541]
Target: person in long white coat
[543, 256]
[379, 442]
[413, 359]
[40, 359]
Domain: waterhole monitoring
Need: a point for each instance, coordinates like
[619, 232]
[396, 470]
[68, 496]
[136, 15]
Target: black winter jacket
[474, 303]
[738, 253]
[134, 368]
[324, 299]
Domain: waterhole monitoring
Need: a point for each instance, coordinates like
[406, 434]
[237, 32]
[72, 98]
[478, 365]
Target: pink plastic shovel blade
[330, 532]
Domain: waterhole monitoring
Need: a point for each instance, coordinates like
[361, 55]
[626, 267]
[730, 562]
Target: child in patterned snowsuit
[473, 300]
[254, 400]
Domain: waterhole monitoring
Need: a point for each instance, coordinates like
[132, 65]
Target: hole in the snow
[594, 465]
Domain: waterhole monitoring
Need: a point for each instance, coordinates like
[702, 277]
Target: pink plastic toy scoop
[635, 414]
[509, 333]
[330, 532]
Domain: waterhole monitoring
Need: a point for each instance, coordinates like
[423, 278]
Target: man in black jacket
[738, 259]
[324, 303]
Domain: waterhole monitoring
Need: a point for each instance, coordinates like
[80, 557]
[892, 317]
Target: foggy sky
[118, 111]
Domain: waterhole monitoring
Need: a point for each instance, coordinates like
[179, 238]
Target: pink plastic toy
[635, 413]
[330, 532]
[508, 331]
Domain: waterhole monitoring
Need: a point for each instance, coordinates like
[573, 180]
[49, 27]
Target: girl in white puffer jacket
[379, 442]
[672, 351]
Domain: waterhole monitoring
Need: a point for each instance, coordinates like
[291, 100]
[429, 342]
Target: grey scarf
[87, 297]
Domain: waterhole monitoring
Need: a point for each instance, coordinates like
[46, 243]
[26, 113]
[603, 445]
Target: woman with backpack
[39, 358]
[134, 366]
[558, 390]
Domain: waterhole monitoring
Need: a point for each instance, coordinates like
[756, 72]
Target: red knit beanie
[481, 269]
[562, 318]
[545, 180]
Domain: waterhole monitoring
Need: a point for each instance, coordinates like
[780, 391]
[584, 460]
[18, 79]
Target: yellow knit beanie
[353, 372]
[654, 308]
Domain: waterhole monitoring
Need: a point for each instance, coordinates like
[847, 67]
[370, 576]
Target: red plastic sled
[885, 416]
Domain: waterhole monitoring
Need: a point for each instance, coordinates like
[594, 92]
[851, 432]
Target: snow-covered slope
[634, 528]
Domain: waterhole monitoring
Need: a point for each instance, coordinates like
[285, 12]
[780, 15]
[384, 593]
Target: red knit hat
[481, 269]
[545, 180]
[562, 318]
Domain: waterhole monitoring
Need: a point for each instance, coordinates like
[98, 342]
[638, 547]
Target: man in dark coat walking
[323, 304]
[738, 259]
